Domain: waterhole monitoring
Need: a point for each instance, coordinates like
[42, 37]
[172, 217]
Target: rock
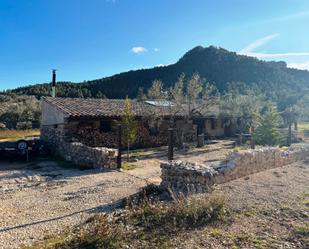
[2, 127]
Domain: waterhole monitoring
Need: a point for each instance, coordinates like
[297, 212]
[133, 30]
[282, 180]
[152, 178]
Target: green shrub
[267, 130]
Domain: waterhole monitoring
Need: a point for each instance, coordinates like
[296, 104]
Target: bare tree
[156, 90]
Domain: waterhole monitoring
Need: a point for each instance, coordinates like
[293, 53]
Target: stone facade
[191, 178]
[214, 128]
[78, 153]
[92, 134]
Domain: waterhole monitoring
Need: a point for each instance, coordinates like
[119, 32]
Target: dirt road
[41, 198]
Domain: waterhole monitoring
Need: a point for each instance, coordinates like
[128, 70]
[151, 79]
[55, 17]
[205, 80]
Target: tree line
[219, 66]
[253, 110]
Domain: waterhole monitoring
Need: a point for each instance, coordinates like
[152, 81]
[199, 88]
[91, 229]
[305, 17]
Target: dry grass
[148, 225]
[301, 232]
[181, 214]
[142, 153]
[304, 128]
[127, 166]
[194, 148]
[101, 232]
[9, 135]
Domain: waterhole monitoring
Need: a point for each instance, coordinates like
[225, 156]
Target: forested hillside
[271, 81]
[217, 65]
[19, 112]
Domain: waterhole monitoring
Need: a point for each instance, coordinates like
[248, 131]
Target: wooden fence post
[119, 147]
[170, 153]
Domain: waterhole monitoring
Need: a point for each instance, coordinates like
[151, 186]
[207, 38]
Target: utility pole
[53, 94]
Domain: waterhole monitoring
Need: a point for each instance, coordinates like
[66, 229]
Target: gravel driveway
[41, 198]
[37, 199]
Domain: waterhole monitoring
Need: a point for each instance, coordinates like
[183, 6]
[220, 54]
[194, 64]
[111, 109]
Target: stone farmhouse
[92, 123]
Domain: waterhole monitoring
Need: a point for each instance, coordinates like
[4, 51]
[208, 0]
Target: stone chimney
[53, 93]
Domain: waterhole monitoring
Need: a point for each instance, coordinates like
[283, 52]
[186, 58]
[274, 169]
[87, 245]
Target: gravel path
[267, 206]
[38, 199]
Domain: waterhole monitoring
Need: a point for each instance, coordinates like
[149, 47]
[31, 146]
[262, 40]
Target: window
[105, 126]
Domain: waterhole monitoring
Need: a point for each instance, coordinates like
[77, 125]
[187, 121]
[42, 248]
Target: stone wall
[92, 157]
[186, 177]
[80, 154]
[190, 178]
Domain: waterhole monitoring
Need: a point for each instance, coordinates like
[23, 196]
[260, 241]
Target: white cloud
[248, 50]
[160, 65]
[258, 43]
[156, 49]
[302, 65]
[138, 50]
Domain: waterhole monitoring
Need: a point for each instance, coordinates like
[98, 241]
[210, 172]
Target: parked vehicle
[23, 146]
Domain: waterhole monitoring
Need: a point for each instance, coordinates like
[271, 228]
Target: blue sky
[89, 39]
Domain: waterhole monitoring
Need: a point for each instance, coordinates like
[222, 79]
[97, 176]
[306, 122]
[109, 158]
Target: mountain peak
[219, 66]
[200, 52]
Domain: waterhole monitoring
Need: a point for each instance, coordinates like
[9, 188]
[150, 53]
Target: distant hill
[217, 65]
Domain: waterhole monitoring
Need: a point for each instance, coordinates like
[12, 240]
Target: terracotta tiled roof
[79, 107]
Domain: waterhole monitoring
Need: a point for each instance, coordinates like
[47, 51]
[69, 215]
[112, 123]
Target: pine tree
[129, 126]
[267, 132]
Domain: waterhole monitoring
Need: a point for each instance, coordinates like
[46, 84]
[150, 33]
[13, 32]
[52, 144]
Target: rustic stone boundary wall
[188, 177]
[92, 157]
[78, 153]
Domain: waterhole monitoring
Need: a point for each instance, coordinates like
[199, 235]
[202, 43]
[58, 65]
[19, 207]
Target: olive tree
[192, 97]
[241, 107]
